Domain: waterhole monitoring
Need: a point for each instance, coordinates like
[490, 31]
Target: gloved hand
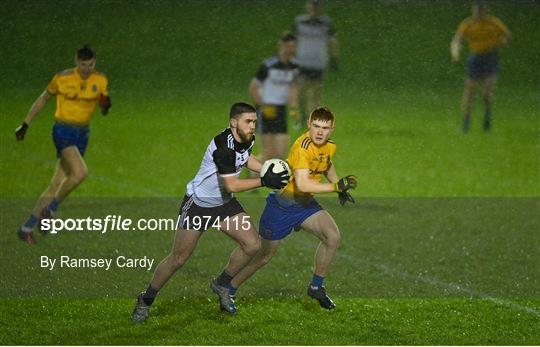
[21, 131]
[344, 197]
[275, 180]
[104, 104]
[346, 183]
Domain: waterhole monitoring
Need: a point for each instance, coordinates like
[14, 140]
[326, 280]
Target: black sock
[149, 295]
[224, 279]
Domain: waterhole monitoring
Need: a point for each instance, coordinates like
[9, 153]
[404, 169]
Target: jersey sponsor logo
[316, 172]
[94, 88]
[320, 158]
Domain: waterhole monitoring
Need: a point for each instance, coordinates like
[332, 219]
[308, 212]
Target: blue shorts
[279, 218]
[65, 135]
[482, 65]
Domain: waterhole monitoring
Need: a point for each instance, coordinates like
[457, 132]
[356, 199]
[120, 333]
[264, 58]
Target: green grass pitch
[442, 246]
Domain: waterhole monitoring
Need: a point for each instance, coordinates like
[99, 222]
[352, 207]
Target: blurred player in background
[77, 92]
[485, 34]
[272, 89]
[317, 48]
[210, 203]
[295, 207]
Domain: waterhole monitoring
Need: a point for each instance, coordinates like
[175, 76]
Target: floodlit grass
[442, 246]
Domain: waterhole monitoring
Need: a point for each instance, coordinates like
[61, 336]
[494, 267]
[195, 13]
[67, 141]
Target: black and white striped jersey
[312, 36]
[276, 79]
[207, 188]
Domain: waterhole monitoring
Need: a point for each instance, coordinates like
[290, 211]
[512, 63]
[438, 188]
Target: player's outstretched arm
[234, 184]
[331, 174]
[506, 38]
[37, 106]
[455, 47]
[271, 179]
[225, 160]
[255, 91]
[307, 185]
[105, 104]
[332, 177]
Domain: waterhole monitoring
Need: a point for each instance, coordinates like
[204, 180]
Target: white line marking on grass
[436, 282]
[433, 282]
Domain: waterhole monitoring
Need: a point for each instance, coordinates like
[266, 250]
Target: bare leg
[489, 86]
[314, 95]
[274, 146]
[468, 98]
[185, 242]
[302, 102]
[240, 229]
[76, 170]
[322, 225]
[268, 250]
[46, 197]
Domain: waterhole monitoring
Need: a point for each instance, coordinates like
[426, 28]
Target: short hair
[85, 53]
[322, 113]
[287, 36]
[239, 108]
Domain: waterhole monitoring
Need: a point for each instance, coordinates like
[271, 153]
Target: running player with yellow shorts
[485, 34]
[294, 207]
[78, 90]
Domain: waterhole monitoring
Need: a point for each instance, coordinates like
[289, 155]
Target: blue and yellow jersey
[76, 98]
[483, 35]
[304, 154]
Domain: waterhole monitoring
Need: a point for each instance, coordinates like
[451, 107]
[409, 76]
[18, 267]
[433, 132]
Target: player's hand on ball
[104, 104]
[275, 180]
[21, 131]
[344, 197]
[346, 183]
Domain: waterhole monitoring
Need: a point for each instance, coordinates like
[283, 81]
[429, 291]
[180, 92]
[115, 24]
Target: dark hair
[239, 108]
[322, 113]
[287, 36]
[85, 53]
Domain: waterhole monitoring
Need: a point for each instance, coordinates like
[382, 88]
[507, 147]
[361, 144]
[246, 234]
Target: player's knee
[251, 248]
[333, 238]
[79, 174]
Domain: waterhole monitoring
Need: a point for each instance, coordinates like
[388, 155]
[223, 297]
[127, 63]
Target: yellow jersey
[76, 98]
[484, 34]
[304, 154]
